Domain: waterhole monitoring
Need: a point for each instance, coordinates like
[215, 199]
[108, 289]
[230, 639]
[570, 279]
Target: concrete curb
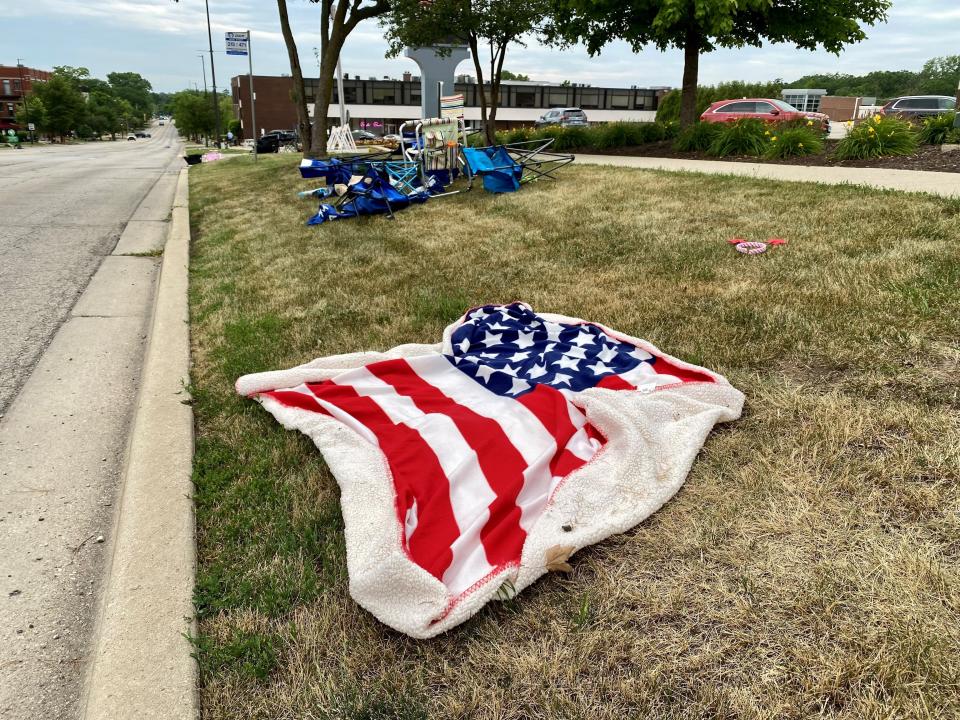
[141, 665]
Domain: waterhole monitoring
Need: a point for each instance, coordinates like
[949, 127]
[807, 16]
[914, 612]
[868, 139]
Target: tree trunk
[691, 67]
[478, 66]
[497, 63]
[321, 102]
[299, 90]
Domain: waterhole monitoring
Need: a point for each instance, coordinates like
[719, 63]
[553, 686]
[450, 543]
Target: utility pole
[213, 77]
[23, 98]
[203, 65]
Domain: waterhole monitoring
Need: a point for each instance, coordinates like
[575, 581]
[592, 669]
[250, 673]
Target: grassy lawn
[809, 567]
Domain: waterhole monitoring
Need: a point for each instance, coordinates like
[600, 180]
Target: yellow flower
[766, 132]
[877, 118]
[800, 144]
[849, 123]
[871, 130]
[774, 138]
[809, 123]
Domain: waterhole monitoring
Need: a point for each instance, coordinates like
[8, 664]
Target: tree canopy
[699, 26]
[135, 89]
[72, 101]
[495, 24]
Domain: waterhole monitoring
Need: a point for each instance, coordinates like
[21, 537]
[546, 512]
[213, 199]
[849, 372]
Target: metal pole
[23, 96]
[213, 77]
[203, 65]
[253, 99]
[343, 112]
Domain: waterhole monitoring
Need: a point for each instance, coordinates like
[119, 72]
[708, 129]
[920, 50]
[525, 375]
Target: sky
[162, 40]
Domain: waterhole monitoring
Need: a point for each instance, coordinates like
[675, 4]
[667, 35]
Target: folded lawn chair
[372, 193]
[435, 144]
[504, 168]
[339, 169]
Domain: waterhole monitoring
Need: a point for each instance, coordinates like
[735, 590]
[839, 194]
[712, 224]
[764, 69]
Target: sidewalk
[935, 183]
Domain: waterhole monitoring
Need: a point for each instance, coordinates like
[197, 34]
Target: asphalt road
[64, 208]
[78, 272]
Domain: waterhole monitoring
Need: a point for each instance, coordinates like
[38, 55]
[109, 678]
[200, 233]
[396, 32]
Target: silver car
[564, 117]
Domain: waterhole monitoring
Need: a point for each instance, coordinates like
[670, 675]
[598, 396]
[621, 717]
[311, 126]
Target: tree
[193, 113]
[31, 110]
[337, 21]
[507, 75]
[940, 76]
[699, 26]
[299, 90]
[63, 104]
[136, 90]
[494, 23]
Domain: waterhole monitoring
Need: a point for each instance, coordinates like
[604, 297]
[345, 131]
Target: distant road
[63, 208]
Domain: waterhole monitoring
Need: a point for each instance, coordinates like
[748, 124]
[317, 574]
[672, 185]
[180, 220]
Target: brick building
[15, 82]
[382, 105]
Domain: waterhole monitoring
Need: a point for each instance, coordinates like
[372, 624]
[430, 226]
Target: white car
[131, 136]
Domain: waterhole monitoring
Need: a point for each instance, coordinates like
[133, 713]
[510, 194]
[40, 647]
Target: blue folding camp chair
[375, 192]
[504, 168]
[499, 171]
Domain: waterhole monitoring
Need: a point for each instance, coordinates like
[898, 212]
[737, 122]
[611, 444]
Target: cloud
[161, 39]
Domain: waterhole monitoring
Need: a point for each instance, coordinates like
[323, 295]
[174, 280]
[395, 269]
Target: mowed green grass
[809, 567]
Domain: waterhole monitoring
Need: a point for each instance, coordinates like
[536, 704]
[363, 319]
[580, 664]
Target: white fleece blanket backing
[469, 468]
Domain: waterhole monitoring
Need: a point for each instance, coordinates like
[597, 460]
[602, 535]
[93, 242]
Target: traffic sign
[238, 43]
[31, 127]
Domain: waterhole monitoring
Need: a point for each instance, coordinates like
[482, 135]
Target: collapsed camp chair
[504, 168]
[379, 190]
[340, 169]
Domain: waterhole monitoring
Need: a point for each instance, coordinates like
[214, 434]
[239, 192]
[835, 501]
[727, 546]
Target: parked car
[392, 137]
[161, 123]
[564, 117]
[271, 142]
[363, 136]
[919, 106]
[131, 136]
[762, 108]
[142, 135]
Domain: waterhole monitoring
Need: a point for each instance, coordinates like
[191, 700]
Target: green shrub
[879, 136]
[619, 134]
[653, 132]
[740, 137]
[520, 134]
[570, 138]
[793, 141]
[953, 137]
[697, 137]
[671, 129]
[936, 130]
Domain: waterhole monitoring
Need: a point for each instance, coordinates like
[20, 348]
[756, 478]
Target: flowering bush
[879, 136]
[697, 137]
[936, 130]
[794, 141]
[748, 136]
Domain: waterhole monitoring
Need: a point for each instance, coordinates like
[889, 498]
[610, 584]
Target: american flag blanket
[470, 467]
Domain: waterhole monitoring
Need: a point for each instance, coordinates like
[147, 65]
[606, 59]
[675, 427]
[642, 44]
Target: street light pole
[203, 65]
[23, 96]
[213, 76]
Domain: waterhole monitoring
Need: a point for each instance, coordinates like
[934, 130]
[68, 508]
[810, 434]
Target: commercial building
[16, 82]
[383, 105]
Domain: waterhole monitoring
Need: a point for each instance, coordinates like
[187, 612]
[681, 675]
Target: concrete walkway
[935, 183]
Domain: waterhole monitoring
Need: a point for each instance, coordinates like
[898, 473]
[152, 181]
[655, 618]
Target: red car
[763, 109]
